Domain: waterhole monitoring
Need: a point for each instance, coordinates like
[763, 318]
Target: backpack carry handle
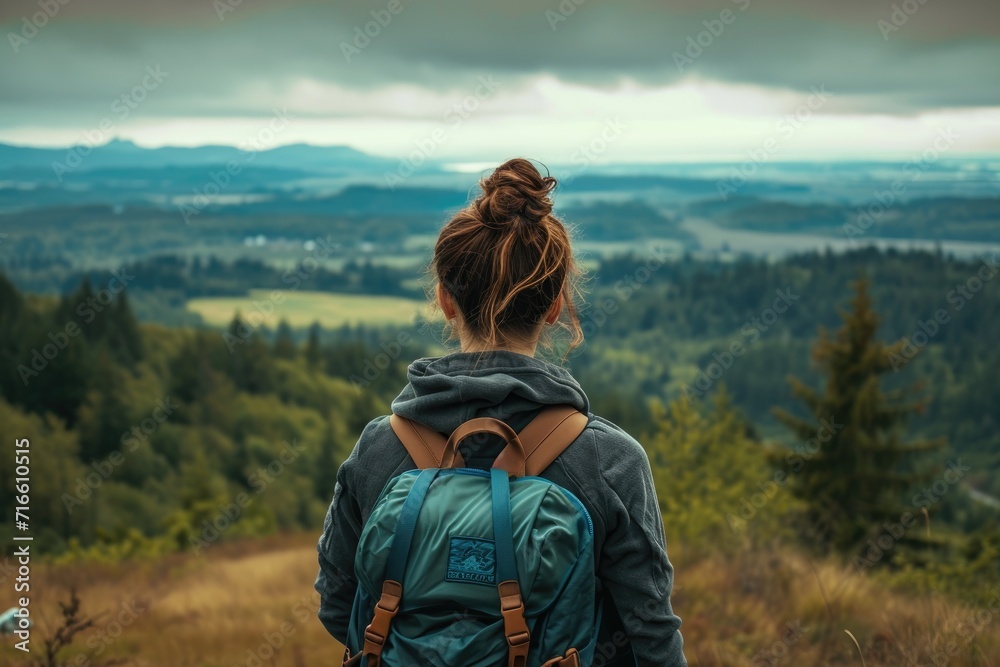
[514, 463]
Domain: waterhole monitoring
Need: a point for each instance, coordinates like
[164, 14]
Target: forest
[826, 403]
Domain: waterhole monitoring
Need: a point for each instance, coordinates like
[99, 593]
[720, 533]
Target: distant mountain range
[126, 154]
[942, 199]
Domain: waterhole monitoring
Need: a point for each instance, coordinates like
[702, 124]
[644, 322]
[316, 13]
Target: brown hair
[505, 259]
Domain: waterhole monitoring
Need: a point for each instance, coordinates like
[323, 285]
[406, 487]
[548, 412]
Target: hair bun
[515, 190]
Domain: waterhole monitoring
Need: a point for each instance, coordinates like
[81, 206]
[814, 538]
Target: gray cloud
[93, 51]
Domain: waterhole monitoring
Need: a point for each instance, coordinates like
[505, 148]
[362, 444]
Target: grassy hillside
[151, 434]
[252, 603]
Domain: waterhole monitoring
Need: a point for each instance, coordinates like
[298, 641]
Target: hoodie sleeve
[633, 565]
[337, 546]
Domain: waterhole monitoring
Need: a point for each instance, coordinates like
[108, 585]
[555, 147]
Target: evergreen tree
[326, 463]
[86, 308]
[11, 332]
[284, 343]
[123, 333]
[313, 353]
[249, 365]
[191, 372]
[104, 416]
[52, 378]
[854, 465]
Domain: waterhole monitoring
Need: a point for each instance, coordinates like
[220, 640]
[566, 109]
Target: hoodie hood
[443, 392]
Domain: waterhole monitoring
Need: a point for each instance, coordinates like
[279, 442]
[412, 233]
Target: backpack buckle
[373, 637]
[385, 609]
[515, 628]
[519, 639]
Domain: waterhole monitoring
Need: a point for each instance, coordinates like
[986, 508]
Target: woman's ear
[445, 302]
[554, 310]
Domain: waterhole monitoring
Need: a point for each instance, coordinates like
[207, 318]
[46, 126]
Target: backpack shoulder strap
[545, 438]
[425, 445]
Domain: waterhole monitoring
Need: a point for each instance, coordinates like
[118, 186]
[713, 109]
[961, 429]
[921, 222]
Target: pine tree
[83, 306]
[11, 332]
[326, 463]
[852, 464]
[104, 416]
[124, 331]
[249, 363]
[62, 383]
[313, 353]
[284, 343]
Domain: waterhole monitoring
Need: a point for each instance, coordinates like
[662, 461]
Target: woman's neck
[478, 346]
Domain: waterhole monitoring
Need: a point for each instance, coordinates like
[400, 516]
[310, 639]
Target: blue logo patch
[472, 560]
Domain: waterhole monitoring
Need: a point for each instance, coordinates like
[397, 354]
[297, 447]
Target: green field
[302, 308]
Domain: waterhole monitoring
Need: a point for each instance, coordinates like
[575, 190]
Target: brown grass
[215, 611]
[738, 609]
[212, 611]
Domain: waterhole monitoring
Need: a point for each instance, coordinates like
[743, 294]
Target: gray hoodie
[605, 468]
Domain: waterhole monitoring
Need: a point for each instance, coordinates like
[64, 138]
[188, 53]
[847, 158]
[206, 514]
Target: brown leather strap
[545, 438]
[542, 440]
[425, 445]
[485, 425]
[385, 610]
[515, 628]
[571, 659]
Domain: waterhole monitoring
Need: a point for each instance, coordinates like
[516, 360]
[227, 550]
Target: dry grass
[216, 611]
[737, 611]
[213, 611]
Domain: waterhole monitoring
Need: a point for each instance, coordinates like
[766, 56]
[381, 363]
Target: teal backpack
[465, 567]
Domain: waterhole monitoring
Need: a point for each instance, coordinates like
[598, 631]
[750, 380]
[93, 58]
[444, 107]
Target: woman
[505, 273]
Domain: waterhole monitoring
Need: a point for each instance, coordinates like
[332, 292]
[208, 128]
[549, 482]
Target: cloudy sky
[640, 80]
